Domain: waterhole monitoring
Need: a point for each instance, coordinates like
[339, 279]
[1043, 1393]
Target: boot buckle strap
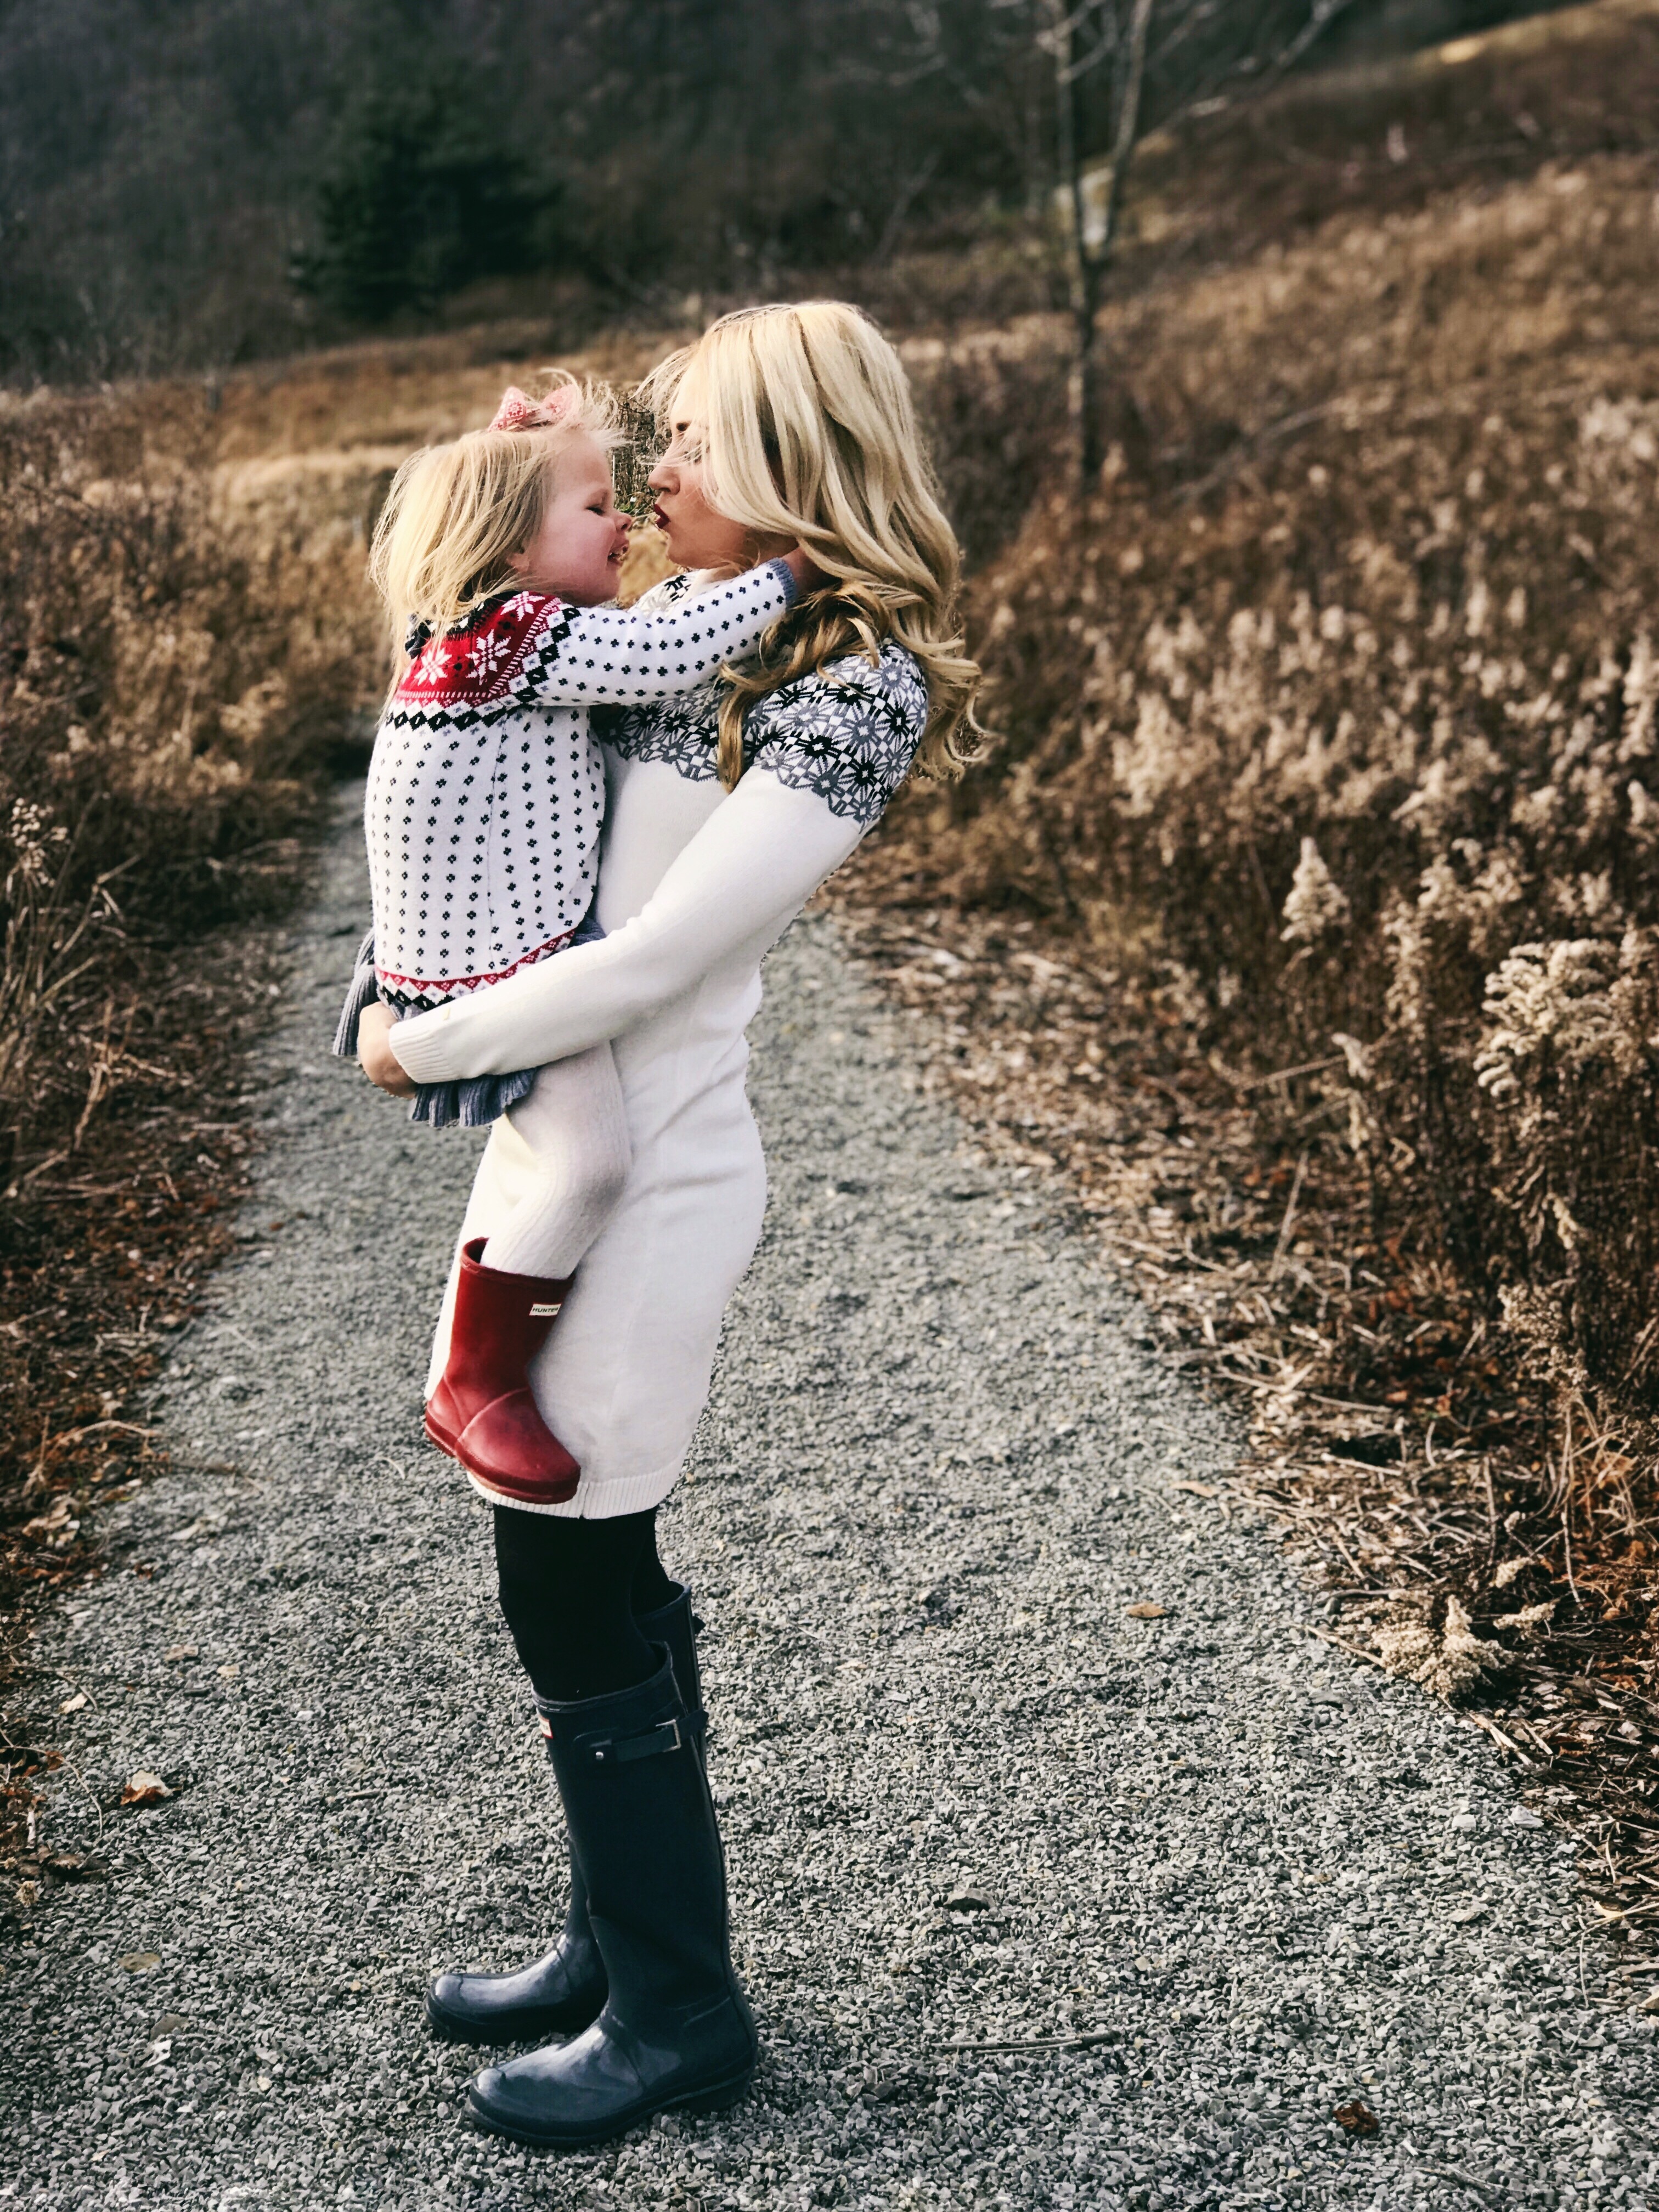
[613, 1750]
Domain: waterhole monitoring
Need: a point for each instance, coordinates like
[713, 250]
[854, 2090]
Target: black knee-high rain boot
[677, 1625]
[561, 1993]
[676, 2032]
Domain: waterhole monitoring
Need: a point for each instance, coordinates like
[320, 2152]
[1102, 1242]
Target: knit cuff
[786, 576]
[418, 1044]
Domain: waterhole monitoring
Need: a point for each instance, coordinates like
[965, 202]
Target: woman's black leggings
[571, 1591]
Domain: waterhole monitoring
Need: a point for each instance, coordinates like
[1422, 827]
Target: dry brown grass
[1341, 718]
[1394, 135]
[1305, 910]
[175, 688]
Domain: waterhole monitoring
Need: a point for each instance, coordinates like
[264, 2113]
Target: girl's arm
[599, 656]
[737, 885]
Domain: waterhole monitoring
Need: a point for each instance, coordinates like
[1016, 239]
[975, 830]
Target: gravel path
[969, 1796]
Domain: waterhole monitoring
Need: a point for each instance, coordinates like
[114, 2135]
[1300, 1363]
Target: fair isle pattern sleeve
[848, 732]
[682, 733]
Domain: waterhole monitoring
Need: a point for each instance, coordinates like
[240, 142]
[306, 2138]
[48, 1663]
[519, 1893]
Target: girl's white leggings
[573, 1125]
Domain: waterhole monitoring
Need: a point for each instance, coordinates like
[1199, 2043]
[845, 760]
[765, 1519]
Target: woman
[726, 811]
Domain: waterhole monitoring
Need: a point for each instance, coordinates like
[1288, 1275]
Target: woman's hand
[374, 1054]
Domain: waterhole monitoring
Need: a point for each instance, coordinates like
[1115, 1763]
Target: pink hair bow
[519, 412]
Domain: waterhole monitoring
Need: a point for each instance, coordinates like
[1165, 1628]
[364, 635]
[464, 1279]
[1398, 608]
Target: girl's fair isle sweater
[486, 789]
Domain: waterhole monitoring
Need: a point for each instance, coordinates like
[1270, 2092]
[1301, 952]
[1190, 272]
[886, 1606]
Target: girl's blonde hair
[456, 513]
[809, 434]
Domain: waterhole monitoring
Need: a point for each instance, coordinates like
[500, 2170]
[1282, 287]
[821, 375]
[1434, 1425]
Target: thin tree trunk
[1095, 248]
[1094, 217]
[1078, 271]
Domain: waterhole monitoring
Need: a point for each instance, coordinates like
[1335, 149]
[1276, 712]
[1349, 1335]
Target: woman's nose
[662, 478]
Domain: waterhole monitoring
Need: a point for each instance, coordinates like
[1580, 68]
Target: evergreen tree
[420, 199]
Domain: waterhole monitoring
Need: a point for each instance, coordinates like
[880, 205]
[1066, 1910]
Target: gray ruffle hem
[474, 1103]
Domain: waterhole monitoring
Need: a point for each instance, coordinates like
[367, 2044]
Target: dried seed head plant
[1364, 742]
[1306, 910]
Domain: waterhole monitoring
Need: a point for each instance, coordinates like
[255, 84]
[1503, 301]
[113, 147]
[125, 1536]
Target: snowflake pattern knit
[846, 732]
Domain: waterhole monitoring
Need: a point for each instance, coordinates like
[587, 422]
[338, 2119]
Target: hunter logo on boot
[544, 1313]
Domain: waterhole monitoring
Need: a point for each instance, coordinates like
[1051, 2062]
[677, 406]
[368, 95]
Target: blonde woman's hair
[457, 513]
[809, 434]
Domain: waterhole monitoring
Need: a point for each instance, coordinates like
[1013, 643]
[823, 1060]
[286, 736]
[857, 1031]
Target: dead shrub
[171, 688]
[995, 405]
[1337, 709]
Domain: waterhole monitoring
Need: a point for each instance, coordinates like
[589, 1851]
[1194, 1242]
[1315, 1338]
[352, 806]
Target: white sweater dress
[695, 885]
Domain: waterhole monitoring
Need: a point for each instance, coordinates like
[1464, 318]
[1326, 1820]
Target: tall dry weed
[1337, 711]
[170, 686]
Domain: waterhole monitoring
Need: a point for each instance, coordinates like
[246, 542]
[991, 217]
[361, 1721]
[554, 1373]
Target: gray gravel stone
[968, 1798]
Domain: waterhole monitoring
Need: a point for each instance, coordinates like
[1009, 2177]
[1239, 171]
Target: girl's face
[576, 554]
[697, 537]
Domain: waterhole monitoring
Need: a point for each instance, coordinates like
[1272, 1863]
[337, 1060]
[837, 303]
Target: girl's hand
[374, 1054]
[804, 569]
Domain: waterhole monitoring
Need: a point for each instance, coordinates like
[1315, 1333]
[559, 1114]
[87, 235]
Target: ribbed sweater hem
[598, 1501]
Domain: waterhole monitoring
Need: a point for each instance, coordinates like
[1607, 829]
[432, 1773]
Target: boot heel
[717, 2098]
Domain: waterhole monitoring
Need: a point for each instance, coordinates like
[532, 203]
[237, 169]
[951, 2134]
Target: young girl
[486, 795]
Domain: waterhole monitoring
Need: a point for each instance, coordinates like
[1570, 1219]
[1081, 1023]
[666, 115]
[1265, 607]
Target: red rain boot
[483, 1412]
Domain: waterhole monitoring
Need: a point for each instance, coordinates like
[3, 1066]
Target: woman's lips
[659, 518]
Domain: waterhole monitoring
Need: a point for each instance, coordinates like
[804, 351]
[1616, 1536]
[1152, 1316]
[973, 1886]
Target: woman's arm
[749, 870]
[600, 656]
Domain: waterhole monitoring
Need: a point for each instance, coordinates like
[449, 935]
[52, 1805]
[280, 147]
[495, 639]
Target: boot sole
[713, 2098]
[488, 1488]
[525, 2026]
[486, 1485]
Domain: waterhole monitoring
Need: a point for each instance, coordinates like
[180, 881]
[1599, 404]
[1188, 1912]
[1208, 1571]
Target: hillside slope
[1305, 904]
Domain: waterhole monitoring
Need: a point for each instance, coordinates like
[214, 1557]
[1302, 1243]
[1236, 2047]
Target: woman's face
[697, 537]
